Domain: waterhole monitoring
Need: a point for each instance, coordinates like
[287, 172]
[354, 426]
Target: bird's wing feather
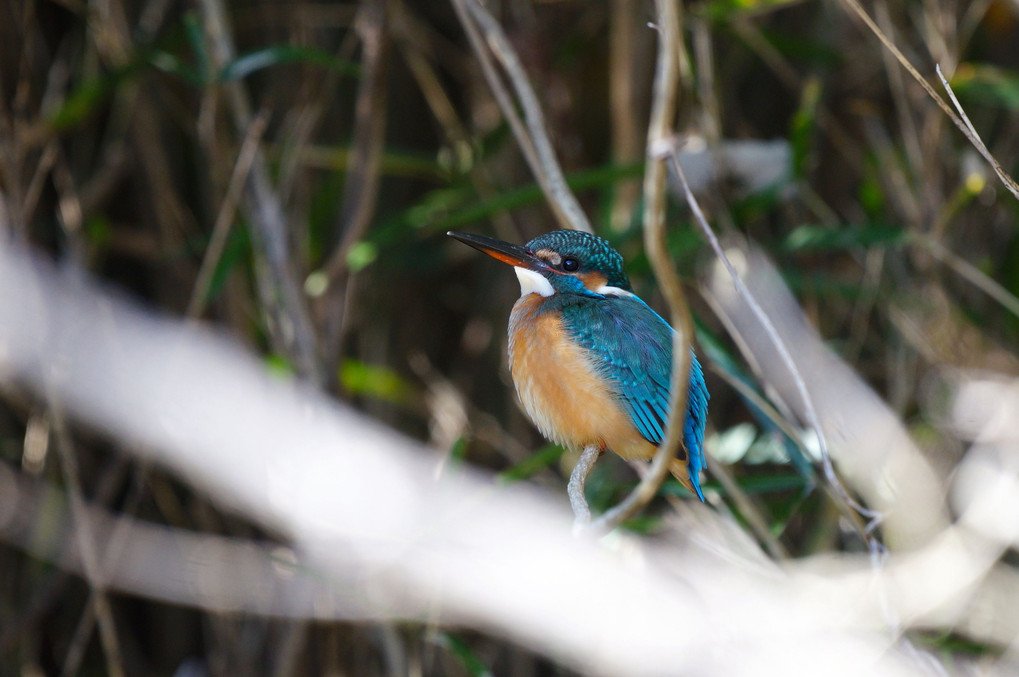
[632, 346]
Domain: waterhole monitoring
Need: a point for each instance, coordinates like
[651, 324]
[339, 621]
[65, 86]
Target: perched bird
[590, 360]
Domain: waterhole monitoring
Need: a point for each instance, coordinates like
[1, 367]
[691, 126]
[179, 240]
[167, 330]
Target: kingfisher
[591, 362]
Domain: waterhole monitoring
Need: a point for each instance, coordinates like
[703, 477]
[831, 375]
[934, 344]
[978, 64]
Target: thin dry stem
[534, 141]
[907, 124]
[750, 512]
[360, 188]
[971, 273]
[670, 150]
[362, 182]
[960, 121]
[499, 91]
[663, 111]
[974, 138]
[281, 295]
[115, 544]
[787, 73]
[625, 55]
[227, 211]
[411, 36]
[38, 182]
[85, 538]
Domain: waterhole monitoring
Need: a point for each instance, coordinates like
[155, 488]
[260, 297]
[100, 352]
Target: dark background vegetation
[356, 134]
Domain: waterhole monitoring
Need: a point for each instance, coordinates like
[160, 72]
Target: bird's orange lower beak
[513, 254]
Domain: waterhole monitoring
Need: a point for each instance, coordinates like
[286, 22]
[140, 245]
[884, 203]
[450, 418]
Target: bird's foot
[575, 488]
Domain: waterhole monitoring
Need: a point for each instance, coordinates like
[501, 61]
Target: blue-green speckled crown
[594, 253]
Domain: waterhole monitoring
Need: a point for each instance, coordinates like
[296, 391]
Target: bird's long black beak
[513, 254]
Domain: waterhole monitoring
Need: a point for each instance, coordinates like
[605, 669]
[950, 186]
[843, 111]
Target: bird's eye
[570, 265]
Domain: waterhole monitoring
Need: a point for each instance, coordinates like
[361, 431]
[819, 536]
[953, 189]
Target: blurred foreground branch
[372, 524]
[164, 563]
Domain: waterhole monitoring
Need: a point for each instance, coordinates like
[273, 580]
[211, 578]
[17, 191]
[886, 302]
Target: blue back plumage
[632, 346]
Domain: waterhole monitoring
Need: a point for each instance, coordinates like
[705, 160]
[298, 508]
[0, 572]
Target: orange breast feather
[560, 389]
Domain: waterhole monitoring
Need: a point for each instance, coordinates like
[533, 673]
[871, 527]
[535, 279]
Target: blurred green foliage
[367, 380]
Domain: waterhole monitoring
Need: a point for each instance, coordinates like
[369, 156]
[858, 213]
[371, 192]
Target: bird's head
[563, 261]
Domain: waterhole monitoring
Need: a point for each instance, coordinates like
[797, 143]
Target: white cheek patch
[607, 290]
[532, 282]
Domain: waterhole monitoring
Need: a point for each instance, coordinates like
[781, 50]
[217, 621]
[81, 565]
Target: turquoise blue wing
[632, 346]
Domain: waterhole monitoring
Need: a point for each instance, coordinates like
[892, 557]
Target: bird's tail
[680, 471]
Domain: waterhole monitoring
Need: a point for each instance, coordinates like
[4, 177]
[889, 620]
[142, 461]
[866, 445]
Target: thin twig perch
[663, 111]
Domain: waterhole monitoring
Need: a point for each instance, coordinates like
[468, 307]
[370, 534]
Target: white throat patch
[532, 282]
[607, 290]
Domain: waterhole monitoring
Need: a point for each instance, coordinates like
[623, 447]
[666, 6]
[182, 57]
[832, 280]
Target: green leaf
[643, 524]
[195, 35]
[805, 49]
[872, 191]
[956, 644]
[382, 383]
[361, 255]
[279, 366]
[540, 460]
[463, 653]
[988, 85]
[821, 284]
[458, 453]
[448, 208]
[762, 484]
[727, 10]
[458, 205]
[235, 253]
[824, 238]
[322, 210]
[803, 123]
[245, 65]
[404, 164]
[98, 231]
[170, 64]
[87, 96]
